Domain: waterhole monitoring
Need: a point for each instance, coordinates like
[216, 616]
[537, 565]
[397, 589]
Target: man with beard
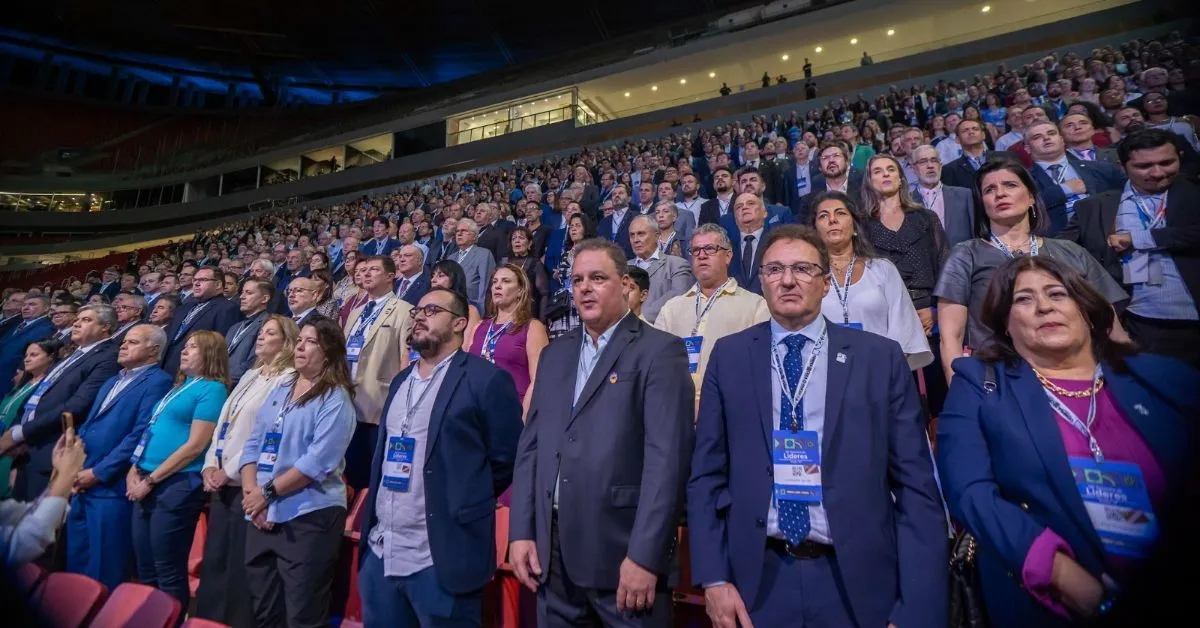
[615, 227]
[716, 208]
[835, 175]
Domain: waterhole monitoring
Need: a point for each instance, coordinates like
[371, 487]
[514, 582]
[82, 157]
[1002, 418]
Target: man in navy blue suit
[1063, 179]
[208, 309]
[748, 225]
[615, 226]
[70, 386]
[99, 544]
[380, 243]
[445, 454]
[845, 528]
[412, 282]
[35, 324]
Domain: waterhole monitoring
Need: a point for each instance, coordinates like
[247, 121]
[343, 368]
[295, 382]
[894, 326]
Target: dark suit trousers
[562, 604]
[359, 454]
[800, 592]
[99, 542]
[164, 523]
[1177, 339]
[413, 601]
[224, 594]
[290, 569]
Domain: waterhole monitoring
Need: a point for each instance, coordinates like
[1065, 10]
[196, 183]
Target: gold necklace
[1074, 394]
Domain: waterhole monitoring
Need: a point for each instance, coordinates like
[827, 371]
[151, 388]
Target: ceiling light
[627, 94]
[784, 57]
[654, 88]
[891, 31]
[986, 8]
[560, 96]
[683, 81]
[853, 40]
[819, 49]
[712, 75]
[547, 99]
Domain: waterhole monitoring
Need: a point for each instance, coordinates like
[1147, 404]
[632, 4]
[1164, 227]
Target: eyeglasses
[299, 290]
[432, 309]
[195, 279]
[802, 270]
[927, 161]
[709, 250]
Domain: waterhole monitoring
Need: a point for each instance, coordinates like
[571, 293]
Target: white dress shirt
[814, 417]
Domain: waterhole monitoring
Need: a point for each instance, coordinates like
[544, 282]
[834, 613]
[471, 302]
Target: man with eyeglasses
[445, 454]
[131, 310]
[477, 263]
[303, 296]
[377, 348]
[848, 505]
[954, 206]
[208, 309]
[62, 315]
[960, 172]
[715, 307]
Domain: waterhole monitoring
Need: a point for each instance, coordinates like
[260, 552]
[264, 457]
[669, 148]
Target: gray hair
[671, 204]
[718, 230]
[105, 314]
[156, 337]
[419, 250]
[136, 300]
[468, 223]
[265, 264]
[653, 226]
[926, 147]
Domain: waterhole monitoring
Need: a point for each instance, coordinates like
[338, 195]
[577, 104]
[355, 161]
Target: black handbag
[966, 593]
[559, 305]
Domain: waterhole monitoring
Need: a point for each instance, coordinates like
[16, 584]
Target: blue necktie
[793, 516]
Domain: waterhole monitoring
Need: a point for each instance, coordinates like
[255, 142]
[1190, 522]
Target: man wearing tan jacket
[377, 349]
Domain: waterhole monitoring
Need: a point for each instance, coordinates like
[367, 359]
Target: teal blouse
[193, 400]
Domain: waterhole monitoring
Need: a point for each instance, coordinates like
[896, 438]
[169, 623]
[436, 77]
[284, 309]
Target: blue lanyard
[1033, 247]
[797, 395]
[843, 297]
[360, 329]
[491, 339]
[1073, 420]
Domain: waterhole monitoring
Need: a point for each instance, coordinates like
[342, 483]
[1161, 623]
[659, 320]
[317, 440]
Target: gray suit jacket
[478, 265]
[620, 456]
[670, 276]
[684, 226]
[241, 352]
[959, 206]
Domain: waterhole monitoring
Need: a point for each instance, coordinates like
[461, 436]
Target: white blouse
[881, 303]
[239, 411]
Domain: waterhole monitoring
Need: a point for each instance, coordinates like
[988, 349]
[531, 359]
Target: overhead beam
[504, 52]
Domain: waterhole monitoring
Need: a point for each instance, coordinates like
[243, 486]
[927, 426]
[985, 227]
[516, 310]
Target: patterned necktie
[1056, 173]
[794, 521]
[403, 287]
[747, 256]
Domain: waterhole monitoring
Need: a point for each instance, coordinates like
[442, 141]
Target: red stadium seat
[138, 606]
[69, 600]
[29, 576]
[196, 622]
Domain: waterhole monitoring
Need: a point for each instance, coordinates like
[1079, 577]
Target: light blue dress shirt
[814, 416]
[313, 441]
[1068, 173]
[1169, 300]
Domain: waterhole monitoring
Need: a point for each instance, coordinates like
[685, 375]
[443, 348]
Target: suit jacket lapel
[386, 312]
[1145, 413]
[837, 378]
[137, 381]
[760, 374]
[625, 332]
[1108, 214]
[656, 265]
[1043, 431]
[455, 373]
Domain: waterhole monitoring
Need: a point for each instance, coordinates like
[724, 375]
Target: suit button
[1024, 506]
[428, 471]
[570, 438]
[760, 523]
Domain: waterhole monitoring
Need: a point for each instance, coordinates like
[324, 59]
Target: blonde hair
[524, 311]
[214, 356]
[287, 355]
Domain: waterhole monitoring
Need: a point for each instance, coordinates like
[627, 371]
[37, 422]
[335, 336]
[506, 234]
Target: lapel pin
[612, 377]
[841, 358]
[1141, 409]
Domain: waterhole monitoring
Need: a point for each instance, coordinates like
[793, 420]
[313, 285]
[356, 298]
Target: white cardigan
[246, 398]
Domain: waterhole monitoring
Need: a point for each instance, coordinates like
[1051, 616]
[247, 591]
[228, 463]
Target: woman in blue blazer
[1059, 448]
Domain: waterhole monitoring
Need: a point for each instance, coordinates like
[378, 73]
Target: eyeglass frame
[422, 311]
[796, 270]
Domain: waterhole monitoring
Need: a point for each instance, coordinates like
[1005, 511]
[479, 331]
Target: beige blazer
[384, 355]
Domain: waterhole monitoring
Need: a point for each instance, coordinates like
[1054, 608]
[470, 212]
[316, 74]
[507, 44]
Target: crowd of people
[861, 300]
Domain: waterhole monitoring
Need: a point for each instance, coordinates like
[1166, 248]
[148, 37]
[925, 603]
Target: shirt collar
[653, 256]
[811, 331]
[84, 349]
[757, 233]
[129, 374]
[414, 277]
[301, 315]
[1061, 161]
[36, 319]
[602, 341]
[730, 287]
[1130, 195]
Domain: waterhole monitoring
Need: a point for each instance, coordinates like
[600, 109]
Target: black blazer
[1097, 177]
[1096, 216]
[494, 237]
[219, 316]
[415, 291]
[710, 211]
[605, 230]
[959, 172]
[802, 211]
[74, 391]
[788, 194]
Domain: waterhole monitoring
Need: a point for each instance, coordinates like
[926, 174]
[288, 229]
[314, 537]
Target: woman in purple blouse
[1060, 449]
[509, 336]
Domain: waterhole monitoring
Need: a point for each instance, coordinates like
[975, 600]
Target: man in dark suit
[35, 324]
[444, 247]
[961, 172]
[493, 232]
[412, 282]
[590, 202]
[955, 206]
[1064, 179]
[615, 226]
[798, 174]
[69, 387]
[1077, 131]
[110, 283]
[98, 541]
[445, 454]
[747, 226]
[858, 522]
[836, 175]
[602, 463]
[208, 309]
[243, 335]
[1145, 236]
[716, 208]
[381, 243]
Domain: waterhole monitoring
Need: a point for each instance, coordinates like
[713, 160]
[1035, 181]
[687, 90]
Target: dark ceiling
[368, 45]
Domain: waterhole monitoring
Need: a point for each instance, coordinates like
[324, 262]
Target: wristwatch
[268, 490]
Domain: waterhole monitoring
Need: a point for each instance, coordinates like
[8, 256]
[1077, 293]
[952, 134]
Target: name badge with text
[797, 458]
[1115, 496]
[397, 463]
